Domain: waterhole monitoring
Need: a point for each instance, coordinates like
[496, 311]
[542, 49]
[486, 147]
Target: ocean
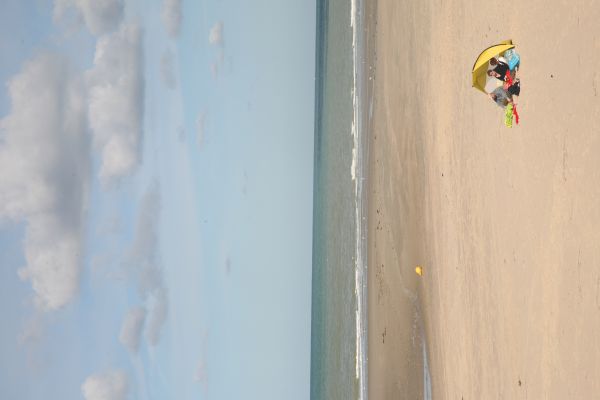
[339, 276]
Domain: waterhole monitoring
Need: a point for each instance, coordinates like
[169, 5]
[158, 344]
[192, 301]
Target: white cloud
[215, 37]
[166, 70]
[171, 16]
[158, 316]
[100, 16]
[111, 385]
[144, 265]
[131, 329]
[45, 164]
[116, 90]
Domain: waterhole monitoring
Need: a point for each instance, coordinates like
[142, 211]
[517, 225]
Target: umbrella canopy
[480, 67]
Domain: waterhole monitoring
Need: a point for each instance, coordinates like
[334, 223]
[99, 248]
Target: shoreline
[358, 172]
[364, 51]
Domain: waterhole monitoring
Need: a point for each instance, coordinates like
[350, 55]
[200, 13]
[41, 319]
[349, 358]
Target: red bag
[508, 81]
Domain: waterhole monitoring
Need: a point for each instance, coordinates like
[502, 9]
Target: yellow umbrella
[480, 67]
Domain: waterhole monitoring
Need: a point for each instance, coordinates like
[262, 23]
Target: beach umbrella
[480, 68]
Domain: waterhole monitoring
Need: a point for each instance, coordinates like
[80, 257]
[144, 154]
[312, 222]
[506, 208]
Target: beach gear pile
[495, 74]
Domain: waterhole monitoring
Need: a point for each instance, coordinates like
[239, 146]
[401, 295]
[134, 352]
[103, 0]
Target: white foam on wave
[356, 171]
[354, 157]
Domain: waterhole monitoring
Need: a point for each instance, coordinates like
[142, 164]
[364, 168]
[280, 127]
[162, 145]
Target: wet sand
[505, 222]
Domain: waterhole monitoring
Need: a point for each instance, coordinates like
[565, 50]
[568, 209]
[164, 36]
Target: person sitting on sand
[515, 90]
[500, 96]
[504, 96]
[500, 69]
[492, 73]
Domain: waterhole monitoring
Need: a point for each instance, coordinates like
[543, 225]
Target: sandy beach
[505, 222]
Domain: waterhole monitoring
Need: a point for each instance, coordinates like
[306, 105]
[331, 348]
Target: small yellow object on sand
[419, 270]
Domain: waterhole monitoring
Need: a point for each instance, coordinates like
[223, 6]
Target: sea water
[339, 280]
[339, 298]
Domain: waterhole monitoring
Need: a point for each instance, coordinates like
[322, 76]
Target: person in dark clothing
[515, 90]
[492, 73]
[500, 69]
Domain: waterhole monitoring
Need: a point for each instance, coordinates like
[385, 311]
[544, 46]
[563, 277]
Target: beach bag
[513, 59]
[508, 81]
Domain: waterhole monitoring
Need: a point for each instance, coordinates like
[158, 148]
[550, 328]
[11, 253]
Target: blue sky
[156, 164]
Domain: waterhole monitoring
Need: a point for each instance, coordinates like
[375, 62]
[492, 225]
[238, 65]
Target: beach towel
[508, 115]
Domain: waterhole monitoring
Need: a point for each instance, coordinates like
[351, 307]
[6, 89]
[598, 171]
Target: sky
[156, 166]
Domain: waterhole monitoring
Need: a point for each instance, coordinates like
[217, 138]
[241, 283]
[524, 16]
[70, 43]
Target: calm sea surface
[338, 344]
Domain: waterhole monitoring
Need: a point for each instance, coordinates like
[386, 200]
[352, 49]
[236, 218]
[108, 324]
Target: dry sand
[506, 222]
